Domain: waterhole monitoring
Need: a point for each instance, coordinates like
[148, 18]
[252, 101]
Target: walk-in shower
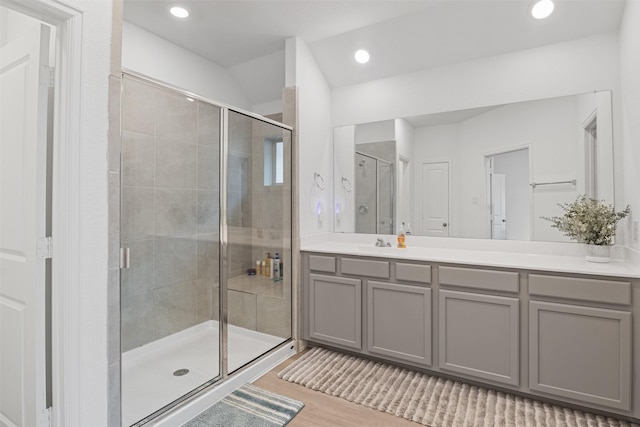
[206, 195]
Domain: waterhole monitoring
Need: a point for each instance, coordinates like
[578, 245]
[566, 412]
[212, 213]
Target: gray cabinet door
[478, 335]
[399, 321]
[582, 353]
[335, 310]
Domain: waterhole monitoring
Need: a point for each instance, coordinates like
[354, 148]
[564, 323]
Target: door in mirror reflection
[498, 206]
[435, 199]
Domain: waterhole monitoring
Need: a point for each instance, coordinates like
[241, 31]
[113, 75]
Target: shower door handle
[125, 257]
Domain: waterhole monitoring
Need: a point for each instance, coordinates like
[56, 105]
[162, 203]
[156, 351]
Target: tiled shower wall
[170, 212]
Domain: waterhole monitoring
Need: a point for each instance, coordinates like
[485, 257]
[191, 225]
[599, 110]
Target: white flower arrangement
[589, 221]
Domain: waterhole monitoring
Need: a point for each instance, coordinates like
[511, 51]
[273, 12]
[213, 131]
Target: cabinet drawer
[413, 272]
[322, 263]
[607, 291]
[365, 267]
[505, 281]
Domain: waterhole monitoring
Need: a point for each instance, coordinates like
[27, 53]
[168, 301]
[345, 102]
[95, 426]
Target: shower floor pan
[148, 380]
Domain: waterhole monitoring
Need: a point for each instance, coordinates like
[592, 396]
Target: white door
[498, 206]
[23, 143]
[435, 199]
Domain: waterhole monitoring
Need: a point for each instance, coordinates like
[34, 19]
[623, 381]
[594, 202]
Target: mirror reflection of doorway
[509, 195]
[434, 212]
[591, 157]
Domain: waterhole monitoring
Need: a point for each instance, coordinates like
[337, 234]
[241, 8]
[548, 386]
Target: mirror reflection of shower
[374, 194]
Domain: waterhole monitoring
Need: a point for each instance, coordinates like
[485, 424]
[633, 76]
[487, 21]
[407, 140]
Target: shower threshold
[148, 380]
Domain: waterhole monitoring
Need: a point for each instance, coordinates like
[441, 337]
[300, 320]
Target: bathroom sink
[391, 250]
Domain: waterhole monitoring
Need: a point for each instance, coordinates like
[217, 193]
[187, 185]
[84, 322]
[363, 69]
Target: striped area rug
[429, 400]
[249, 406]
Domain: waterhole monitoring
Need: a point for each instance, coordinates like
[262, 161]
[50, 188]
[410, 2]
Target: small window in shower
[273, 162]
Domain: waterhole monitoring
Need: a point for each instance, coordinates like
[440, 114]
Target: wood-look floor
[323, 410]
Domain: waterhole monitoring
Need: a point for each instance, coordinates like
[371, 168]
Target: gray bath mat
[426, 399]
[249, 406]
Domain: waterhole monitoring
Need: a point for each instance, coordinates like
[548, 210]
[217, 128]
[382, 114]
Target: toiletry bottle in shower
[276, 267]
[259, 267]
[267, 265]
[281, 270]
[272, 267]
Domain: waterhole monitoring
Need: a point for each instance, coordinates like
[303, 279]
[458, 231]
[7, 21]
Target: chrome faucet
[381, 244]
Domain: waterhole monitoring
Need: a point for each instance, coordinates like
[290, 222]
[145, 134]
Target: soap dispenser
[407, 229]
[401, 237]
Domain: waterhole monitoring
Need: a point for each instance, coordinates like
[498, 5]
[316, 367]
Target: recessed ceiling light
[362, 56]
[542, 9]
[179, 12]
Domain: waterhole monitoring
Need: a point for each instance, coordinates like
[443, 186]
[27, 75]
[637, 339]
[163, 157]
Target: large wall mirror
[490, 172]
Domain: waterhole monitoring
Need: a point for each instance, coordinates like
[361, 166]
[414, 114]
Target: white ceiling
[402, 36]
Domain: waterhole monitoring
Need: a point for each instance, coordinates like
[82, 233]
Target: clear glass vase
[598, 253]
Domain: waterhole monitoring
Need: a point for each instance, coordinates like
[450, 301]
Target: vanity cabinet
[335, 310]
[577, 350]
[479, 335]
[568, 337]
[371, 306]
[399, 321]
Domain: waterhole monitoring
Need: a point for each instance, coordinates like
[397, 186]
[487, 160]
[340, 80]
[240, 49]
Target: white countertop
[541, 257]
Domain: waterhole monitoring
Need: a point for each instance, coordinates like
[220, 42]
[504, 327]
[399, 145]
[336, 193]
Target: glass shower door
[366, 173]
[385, 198]
[258, 247]
[170, 225]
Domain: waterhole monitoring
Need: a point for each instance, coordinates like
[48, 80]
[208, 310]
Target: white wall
[403, 171]
[262, 79]
[569, 68]
[315, 137]
[374, 132]
[90, 398]
[629, 38]
[404, 137]
[268, 108]
[343, 167]
[155, 57]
